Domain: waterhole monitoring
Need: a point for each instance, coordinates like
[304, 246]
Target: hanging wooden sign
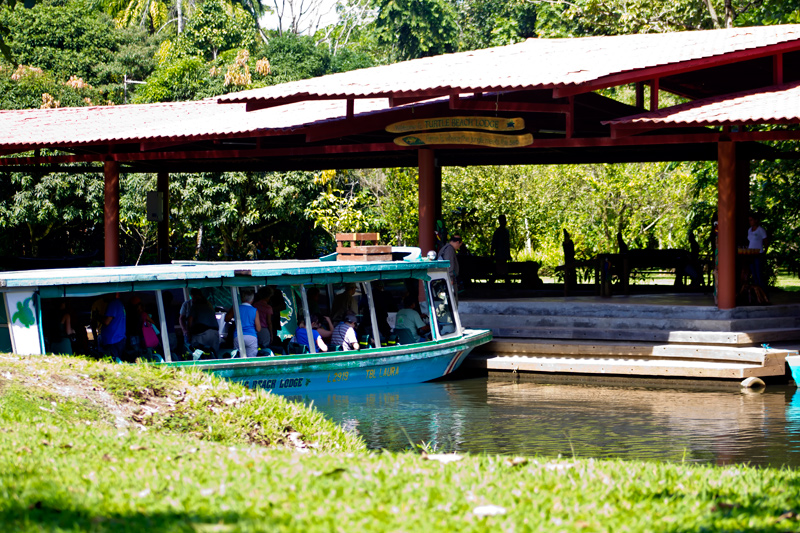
[475, 138]
[469, 123]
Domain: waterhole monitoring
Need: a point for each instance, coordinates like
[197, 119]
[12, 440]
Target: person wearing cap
[344, 334]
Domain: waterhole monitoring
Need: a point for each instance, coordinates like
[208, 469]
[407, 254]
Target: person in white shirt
[344, 334]
[757, 239]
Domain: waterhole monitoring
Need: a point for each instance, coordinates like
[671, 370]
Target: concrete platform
[669, 336]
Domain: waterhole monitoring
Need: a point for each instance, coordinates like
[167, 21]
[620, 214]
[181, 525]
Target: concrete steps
[596, 320]
[628, 322]
[626, 338]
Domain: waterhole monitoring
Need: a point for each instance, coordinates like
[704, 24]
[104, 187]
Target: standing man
[501, 249]
[757, 240]
[113, 338]
[448, 253]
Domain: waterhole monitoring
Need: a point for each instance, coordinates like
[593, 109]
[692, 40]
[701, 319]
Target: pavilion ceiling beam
[457, 103]
[619, 131]
[9, 164]
[255, 105]
[662, 71]
[206, 154]
[367, 123]
[397, 101]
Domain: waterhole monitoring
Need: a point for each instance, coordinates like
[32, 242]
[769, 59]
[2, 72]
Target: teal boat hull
[399, 365]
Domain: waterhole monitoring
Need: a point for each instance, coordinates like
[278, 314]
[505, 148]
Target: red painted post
[111, 213]
[726, 240]
[427, 199]
[162, 186]
[437, 194]
[742, 197]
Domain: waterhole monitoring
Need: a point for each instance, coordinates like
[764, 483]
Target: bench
[475, 269]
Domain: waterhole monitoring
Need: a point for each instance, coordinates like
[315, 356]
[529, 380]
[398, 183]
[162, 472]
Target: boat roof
[100, 280]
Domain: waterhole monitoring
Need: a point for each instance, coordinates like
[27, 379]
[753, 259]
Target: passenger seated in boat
[301, 335]
[261, 303]
[409, 326]
[203, 326]
[345, 334]
[113, 332]
[60, 331]
[344, 303]
[251, 324]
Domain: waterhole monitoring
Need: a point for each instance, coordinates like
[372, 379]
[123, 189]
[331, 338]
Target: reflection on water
[510, 417]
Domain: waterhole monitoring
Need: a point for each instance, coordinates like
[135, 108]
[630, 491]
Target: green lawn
[87, 446]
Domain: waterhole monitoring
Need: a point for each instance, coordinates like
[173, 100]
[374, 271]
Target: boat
[378, 363]
[793, 361]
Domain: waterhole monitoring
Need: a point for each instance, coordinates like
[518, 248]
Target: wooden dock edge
[639, 360]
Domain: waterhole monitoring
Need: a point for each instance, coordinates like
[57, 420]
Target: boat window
[410, 323]
[442, 308]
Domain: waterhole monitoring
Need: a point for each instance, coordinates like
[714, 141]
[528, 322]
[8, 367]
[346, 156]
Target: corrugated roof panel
[773, 105]
[535, 63]
[164, 121]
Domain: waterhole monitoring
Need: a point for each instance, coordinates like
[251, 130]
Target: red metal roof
[533, 64]
[164, 121]
[779, 104]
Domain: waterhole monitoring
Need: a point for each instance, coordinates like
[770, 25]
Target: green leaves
[417, 28]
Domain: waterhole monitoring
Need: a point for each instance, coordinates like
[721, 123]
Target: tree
[68, 39]
[301, 17]
[51, 213]
[417, 28]
[496, 22]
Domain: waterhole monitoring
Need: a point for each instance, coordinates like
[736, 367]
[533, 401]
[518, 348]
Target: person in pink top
[265, 312]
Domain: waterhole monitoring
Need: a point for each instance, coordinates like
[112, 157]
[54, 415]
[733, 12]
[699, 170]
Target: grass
[88, 446]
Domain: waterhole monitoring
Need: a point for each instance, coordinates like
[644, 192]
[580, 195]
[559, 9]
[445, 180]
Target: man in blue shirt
[113, 337]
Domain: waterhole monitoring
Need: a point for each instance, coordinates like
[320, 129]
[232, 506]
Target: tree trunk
[199, 244]
[729, 13]
[713, 13]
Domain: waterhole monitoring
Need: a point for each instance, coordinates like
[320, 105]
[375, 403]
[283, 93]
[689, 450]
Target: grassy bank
[88, 446]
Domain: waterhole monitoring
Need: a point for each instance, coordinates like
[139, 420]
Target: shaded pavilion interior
[735, 82]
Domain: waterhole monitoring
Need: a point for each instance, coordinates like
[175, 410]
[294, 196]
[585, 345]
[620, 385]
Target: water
[501, 416]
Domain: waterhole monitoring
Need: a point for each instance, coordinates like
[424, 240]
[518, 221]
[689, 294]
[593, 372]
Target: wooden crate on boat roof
[354, 247]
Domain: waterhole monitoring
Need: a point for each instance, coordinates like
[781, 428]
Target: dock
[665, 336]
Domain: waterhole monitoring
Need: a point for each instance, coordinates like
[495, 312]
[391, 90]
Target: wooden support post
[777, 69]
[654, 94]
[570, 118]
[163, 225]
[111, 213]
[726, 240]
[639, 88]
[427, 201]
[437, 193]
[742, 197]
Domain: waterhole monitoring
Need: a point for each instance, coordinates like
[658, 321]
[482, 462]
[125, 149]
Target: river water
[506, 416]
